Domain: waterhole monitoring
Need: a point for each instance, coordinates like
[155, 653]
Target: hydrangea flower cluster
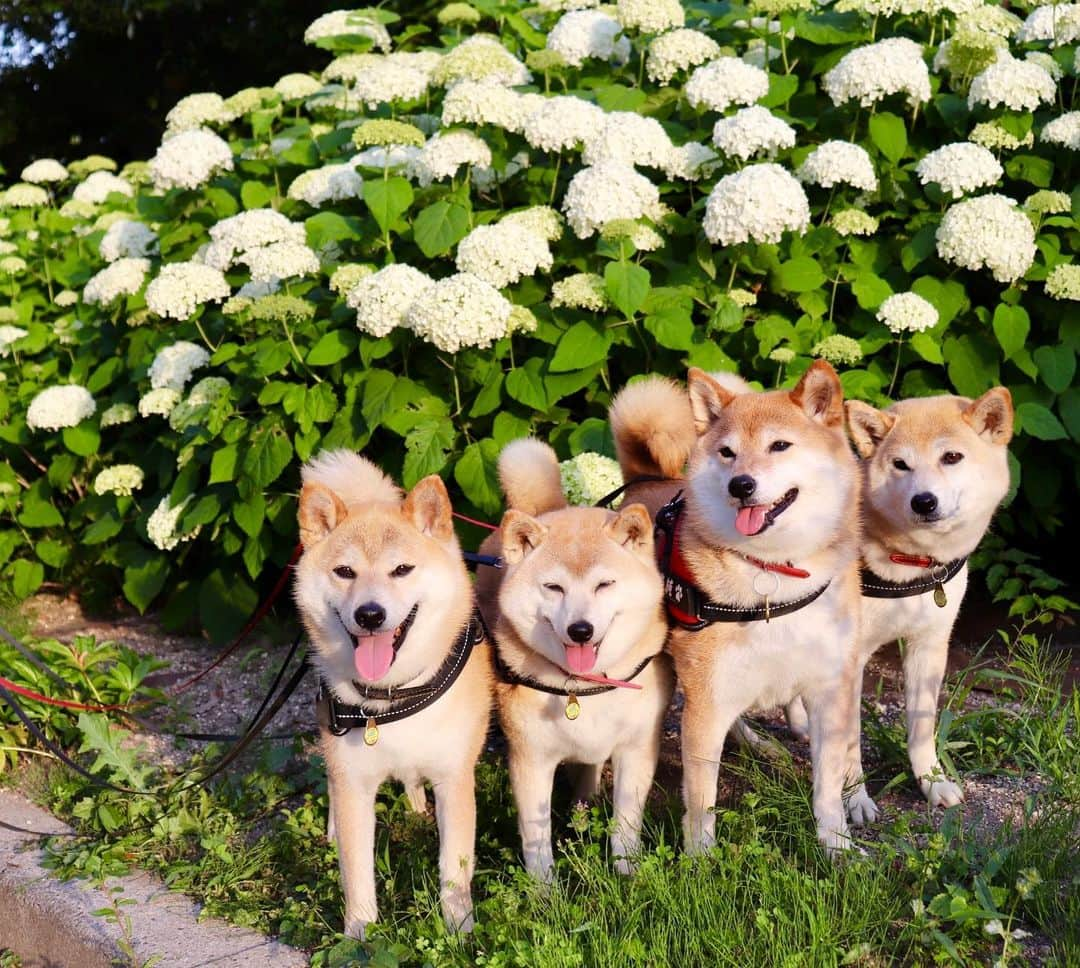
[581, 34]
[757, 204]
[446, 152]
[1063, 282]
[120, 479]
[582, 290]
[588, 477]
[752, 131]
[838, 163]
[1064, 130]
[382, 299]
[724, 82]
[838, 350]
[162, 524]
[57, 407]
[182, 287]
[197, 110]
[233, 238]
[988, 232]
[174, 364]
[124, 277]
[605, 192]
[9, 336]
[99, 186]
[561, 123]
[650, 16]
[458, 311]
[190, 159]
[503, 253]
[346, 23]
[678, 50]
[126, 239]
[871, 73]
[1019, 85]
[43, 171]
[159, 402]
[907, 312]
[959, 168]
[331, 183]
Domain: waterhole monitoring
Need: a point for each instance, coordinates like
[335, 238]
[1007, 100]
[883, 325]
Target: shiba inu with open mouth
[405, 690]
[760, 554]
[935, 471]
[579, 628]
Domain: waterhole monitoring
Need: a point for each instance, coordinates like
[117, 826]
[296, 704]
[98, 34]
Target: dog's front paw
[357, 927]
[939, 791]
[458, 909]
[861, 809]
[836, 840]
[625, 866]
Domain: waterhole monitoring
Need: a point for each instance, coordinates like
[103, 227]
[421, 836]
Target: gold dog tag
[940, 600]
[371, 733]
[573, 707]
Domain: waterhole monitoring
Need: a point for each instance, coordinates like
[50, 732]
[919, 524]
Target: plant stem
[896, 368]
[555, 178]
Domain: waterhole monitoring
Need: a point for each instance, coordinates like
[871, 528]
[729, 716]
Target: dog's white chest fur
[887, 619]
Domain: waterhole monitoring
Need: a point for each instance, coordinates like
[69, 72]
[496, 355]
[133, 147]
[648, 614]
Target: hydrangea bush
[479, 227]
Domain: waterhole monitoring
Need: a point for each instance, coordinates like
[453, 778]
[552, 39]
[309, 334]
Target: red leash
[479, 524]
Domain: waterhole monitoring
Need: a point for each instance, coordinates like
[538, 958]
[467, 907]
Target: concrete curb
[49, 924]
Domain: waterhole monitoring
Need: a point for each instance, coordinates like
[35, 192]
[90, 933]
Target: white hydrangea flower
[852, 221]
[331, 183]
[9, 335]
[959, 168]
[446, 151]
[346, 277]
[480, 58]
[1046, 62]
[296, 87]
[650, 16]
[503, 253]
[126, 239]
[989, 231]
[460, 310]
[562, 122]
[743, 298]
[389, 82]
[55, 408]
[195, 110]
[907, 312]
[990, 134]
[158, 402]
[382, 299]
[278, 260]
[642, 237]
[838, 163]
[838, 350]
[1045, 202]
[207, 391]
[99, 186]
[117, 414]
[691, 161]
[21, 195]
[630, 138]
[1063, 282]
[988, 18]
[1058, 23]
[1016, 84]
[1064, 130]
[78, 211]
[485, 102]
[392, 158]
[12, 265]
[724, 82]
[678, 50]
[190, 159]
[44, 170]
[348, 23]
[124, 277]
[758, 204]
[581, 34]
[173, 365]
[539, 219]
[782, 355]
[873, 72]
[582, 290]
[588, 477]
[181, 287]
[232, 237]
[162, 524]
[256, 290]
[561, 6]
[752, 131]
[120, 479]
[605, 192]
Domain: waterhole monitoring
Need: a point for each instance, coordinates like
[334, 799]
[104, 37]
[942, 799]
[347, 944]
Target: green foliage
[300, 376]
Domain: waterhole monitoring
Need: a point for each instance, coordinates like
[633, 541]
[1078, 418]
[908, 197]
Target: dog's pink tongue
[751, 520]
[580, 658]
[373, 656]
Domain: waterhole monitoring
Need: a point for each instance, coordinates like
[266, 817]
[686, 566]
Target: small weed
[114, 914]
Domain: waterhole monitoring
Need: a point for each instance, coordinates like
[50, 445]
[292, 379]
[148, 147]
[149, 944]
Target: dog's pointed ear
[991, 416]
[867, 426]
[632, 528]
[427, 506]
[521, 534]
[819, 395]
[321, 510]
[707, 398]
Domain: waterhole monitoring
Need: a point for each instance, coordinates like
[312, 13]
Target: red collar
[916, 561]
[790, 570]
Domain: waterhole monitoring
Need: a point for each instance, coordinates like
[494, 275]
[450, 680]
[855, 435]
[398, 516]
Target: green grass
[253, 848]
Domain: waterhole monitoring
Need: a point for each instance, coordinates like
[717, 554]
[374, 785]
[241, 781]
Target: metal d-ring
[939, 573]
[768, 593]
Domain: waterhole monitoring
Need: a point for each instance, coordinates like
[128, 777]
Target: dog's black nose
[925, 503]
[742, 486]
[580, 631]
[370, 615]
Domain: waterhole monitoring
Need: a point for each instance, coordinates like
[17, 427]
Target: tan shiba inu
[935, 472]
[577, 601]
[762, 566]
[387, 603]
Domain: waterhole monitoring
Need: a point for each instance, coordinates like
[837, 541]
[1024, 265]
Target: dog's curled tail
[653, 428]
[351, 477]
[529, 474]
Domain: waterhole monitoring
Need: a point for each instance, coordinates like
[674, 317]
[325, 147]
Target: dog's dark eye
[552, 587]
[401, 571]
[605, 584]
[727, 452]
[344, 571]
[779, 445]
[951, 457]
[900, 465]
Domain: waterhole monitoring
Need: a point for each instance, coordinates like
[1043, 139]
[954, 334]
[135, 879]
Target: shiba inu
[761, 562]
[578, 600]
[935, 470]
[388, 606]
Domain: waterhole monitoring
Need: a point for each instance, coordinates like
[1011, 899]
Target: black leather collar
[874, 586]
[340, 717]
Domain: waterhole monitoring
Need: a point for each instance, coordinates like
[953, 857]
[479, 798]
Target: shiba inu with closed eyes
[760, 556]
[935, 470]
[405, 688]
[575, 608]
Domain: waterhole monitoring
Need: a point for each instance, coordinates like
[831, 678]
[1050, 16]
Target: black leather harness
[874, 586]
